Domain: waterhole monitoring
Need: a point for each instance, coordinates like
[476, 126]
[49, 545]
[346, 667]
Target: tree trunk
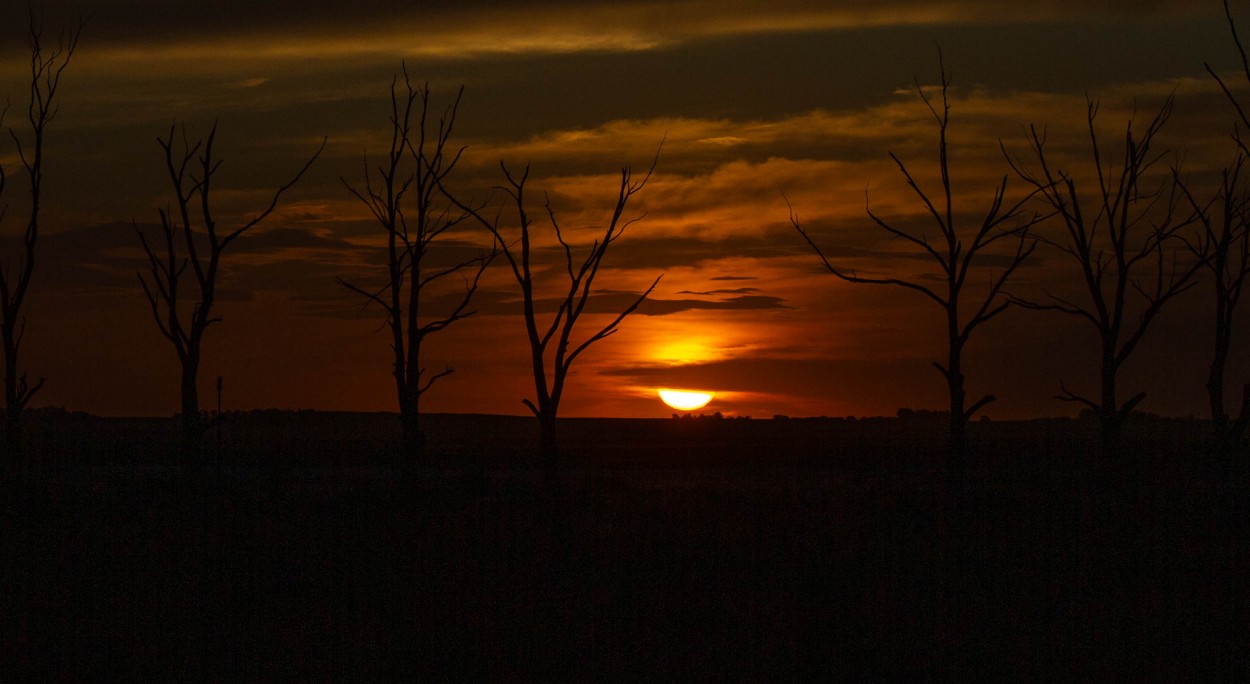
[190, 431]
[1110, 419]
[410, 415]
[1238, 467]
[1238, 428]
[548, 448]
[949, 521]
[957, 444]
[1215, 386]
[12, 402]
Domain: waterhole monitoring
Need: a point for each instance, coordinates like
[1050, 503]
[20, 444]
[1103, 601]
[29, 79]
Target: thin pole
[219, 431]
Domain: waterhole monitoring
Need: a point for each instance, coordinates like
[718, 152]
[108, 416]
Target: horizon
[903, 413]
[806, 100]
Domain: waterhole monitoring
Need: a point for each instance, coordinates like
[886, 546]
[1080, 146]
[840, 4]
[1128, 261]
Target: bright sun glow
[685, 400]
[683, 351]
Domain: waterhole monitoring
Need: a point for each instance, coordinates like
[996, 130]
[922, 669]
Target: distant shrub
[49, 412]
[922, 414]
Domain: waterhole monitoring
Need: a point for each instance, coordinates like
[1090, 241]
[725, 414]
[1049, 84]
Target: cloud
[751, 100]
[664, 307]
[507, 303]
[737, 290]
[238, 28]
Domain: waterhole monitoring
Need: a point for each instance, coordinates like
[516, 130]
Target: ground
[697, 549]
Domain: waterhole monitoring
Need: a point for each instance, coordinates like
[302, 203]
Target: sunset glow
[588, 88]
[686, 351]
[685, 400]
[831, 340]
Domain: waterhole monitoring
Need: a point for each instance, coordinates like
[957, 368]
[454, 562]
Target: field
[695, 549]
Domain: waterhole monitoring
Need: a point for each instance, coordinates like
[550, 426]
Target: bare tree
[959, 252]
[413, 174]
[552, 351]
[1124, 235]
[201, 247]
[1243, 119]
[1223, 246]
[47, 64]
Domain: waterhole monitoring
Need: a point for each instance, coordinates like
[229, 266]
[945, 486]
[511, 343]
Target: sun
[685, 400]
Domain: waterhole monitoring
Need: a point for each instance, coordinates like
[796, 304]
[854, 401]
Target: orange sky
[801, 98]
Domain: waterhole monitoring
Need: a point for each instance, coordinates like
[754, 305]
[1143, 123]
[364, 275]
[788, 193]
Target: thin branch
[852, 277]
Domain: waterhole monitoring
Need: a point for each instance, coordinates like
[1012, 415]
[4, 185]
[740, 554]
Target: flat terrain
[694, 549]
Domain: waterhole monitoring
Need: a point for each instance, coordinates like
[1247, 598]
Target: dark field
[667, 550]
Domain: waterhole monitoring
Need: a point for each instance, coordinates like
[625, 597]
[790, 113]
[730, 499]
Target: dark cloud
[848, 242]
[268, 240]
[508, 303]
[663, 252]
[100, 259]
[174, 20]
[737, 290]
[663, 307]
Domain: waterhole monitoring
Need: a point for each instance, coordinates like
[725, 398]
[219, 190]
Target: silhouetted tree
[1120, 233]
[1223, 246]
[959, 252]
[413, 175]
[551, 362]
[201, 247]
[47, 64]
[1243, 120]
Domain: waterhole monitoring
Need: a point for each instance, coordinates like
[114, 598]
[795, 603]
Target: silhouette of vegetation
[957, 258]
[47, 64]
[1125, 236]
[201, 247]
[1224, 244]
[922, 415]
[551, 347]
[415, 170]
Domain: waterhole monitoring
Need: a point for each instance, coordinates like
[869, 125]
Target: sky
[756, 104]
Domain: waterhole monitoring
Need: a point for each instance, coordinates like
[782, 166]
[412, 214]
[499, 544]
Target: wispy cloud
[236, 29]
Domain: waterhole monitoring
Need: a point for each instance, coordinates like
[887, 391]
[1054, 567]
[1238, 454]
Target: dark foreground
[666, 550]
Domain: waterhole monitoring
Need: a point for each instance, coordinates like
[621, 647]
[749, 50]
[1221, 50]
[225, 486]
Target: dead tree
[47, 64]
[200, 245]
[1223, 247]
[552, 350]
[1243, 119]
[1124, 236]
[957, 253]
[407, 197]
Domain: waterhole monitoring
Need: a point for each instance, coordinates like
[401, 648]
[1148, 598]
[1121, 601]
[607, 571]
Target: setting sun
[685, 400]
